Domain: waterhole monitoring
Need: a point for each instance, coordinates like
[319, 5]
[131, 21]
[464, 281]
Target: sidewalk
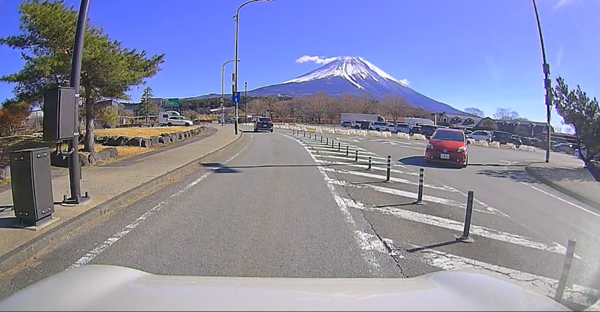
[105, 184]
[572, 180]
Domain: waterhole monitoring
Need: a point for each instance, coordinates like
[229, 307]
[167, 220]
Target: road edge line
[25, 251]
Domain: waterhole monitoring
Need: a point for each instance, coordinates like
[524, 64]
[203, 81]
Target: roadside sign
[235, 97]
[170, 102]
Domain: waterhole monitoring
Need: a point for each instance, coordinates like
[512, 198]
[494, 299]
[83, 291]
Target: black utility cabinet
[31, 181]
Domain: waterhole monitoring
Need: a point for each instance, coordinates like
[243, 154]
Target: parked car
[263, 123]
[346, 124]
[505, 137]
[378, 125]
[415, 130]
[361, 124]
[481, 135]
[568, 148]
[401, 128]
[428, 130]
[178, 121]
[448, 146]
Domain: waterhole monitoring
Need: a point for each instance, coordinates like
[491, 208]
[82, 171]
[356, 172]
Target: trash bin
[31, 182]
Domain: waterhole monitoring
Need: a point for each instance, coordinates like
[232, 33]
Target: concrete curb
[561, 189]
[22, 253]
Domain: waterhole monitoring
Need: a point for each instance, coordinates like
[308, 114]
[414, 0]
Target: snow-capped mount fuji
[352, 75]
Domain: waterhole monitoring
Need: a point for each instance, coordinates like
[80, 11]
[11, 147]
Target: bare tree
[475, 111]
[506, 114]
[396, 106]
[257, 106]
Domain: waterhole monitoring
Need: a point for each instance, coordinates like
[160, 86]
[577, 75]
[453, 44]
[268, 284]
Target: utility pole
[245, 101]
[75, 82]
[547, 82]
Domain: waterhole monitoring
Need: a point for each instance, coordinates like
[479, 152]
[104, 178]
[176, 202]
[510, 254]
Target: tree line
[321, 108]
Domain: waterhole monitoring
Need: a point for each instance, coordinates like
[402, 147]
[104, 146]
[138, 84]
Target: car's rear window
[448, 136]
[264, 119]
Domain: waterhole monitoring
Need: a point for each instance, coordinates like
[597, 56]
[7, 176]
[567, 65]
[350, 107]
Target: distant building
[517, 127]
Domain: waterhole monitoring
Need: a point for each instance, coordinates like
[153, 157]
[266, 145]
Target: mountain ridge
[350, 75]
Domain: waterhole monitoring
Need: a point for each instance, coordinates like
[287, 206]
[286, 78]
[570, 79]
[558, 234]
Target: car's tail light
[270, 122]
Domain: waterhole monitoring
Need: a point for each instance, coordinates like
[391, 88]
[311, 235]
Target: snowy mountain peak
[356, 70]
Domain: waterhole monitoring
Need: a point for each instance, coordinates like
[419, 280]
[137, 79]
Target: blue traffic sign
[235, 98]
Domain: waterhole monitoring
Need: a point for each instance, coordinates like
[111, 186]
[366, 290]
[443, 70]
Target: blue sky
[467, 53]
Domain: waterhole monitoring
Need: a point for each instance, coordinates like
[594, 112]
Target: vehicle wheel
[271, 130]
[169, 125]
[487, 140]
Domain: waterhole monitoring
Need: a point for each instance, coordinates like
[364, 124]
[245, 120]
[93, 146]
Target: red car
[448, 146]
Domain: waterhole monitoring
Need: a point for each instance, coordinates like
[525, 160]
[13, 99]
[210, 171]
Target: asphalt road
[293, 206]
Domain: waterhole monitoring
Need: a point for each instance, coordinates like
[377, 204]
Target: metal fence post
[389, 169]
[304, 133]
[347, 150]
[356, 155]
[369, 168]
[327, 142]
[465, 236]
[321, 139]
[339, 146]
[420, 195]
[562, 282]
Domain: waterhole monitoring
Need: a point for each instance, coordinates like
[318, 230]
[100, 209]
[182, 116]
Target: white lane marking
[329, 148]
[350, 154]
[401, 193]
[562, 200]
[131, 226]
[347, 158]
[381, 177]
[372, 242]
[373, 167]
[368, 255]
[427, 198]
[475, 229]
[547, 286]
[403, 145]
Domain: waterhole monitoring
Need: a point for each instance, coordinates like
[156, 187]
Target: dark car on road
[428, 130]
[263, 124]
[505, 138]
[414, 130]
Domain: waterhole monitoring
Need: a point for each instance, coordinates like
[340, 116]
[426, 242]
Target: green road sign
[170, 102]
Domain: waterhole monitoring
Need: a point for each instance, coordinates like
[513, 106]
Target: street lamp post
[547, 81]
[237, 31]
[75, 83]
[223, 90]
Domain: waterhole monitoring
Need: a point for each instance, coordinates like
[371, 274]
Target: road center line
[131, 226]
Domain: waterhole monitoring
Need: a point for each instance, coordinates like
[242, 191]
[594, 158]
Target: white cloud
[559, 57]
[404, 82]
[561, 4]
[316, 59]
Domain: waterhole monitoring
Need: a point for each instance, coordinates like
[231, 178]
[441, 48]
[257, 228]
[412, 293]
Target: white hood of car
[99, 287]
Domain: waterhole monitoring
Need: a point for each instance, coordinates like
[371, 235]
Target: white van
[173, 118]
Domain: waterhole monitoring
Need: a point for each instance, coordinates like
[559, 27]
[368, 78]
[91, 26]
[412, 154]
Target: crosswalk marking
[475, 229]
[381, 177]
[373, 167]
[407, 194]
